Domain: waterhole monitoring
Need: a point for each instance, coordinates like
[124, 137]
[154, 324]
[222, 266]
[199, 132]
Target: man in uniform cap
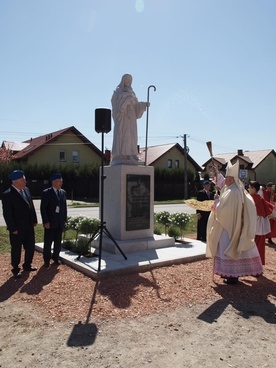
[231, 231]
[53, 210]
[20, 217]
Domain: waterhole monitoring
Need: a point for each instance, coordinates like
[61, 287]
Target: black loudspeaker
[102, 120]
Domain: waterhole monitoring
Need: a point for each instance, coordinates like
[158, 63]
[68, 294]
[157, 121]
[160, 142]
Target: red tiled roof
[34, 144]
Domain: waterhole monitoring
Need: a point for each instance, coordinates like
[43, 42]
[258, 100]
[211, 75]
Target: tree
[5, 155]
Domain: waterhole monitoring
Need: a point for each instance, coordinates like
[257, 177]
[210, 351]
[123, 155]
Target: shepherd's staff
[146, 149]
[209, 146]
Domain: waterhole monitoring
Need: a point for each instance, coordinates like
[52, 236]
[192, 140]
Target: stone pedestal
[128, 210]
[129, 201]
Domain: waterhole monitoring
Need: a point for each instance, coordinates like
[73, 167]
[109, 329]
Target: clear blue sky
[213, 63]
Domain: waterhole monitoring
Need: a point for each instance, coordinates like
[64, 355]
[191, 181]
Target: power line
[141, 137]
[203, 142]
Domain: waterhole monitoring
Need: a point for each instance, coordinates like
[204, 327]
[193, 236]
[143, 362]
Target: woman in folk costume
[231, 231]
[264, 211]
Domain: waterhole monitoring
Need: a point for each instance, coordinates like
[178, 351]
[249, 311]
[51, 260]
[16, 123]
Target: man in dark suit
[20, 216]
[53, 210]
[202, 216]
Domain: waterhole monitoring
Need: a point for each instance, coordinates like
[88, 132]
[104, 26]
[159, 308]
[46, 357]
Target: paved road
[94, 211]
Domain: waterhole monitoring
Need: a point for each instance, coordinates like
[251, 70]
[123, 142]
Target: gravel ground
[171, 316]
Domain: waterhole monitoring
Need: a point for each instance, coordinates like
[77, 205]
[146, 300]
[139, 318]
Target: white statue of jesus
[126, 109]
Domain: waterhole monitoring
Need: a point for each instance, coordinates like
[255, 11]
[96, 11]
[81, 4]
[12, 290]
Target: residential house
[168, 156]
[254, 165]
[171, 158]
[60, 148]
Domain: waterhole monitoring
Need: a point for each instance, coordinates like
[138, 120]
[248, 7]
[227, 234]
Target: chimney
[107, 155]
[240, 152]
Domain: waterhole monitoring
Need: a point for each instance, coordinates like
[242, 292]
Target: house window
[176, 164]
[62, 156]
[75, 156]
[169, 164]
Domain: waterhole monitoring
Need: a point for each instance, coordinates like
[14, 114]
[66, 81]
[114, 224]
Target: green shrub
[81, 225]
[174, 231]
[163, 218]
[75, 226]
[88, 225]
[157, 229]
[68, 244]
[81, 246]
[180, 220]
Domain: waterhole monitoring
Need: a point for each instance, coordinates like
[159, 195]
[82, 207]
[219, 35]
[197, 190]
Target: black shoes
[30, 269]
[270, 241]
[55, 263]
[17, 275]
[16, 271]
[231, 280]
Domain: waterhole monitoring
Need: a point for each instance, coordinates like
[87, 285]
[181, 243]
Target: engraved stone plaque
[137, 202]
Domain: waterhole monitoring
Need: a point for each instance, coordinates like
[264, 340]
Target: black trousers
[50, 236]
[25, 237]
[202, 225]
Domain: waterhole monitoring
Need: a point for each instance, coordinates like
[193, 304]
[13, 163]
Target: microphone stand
[102, 229]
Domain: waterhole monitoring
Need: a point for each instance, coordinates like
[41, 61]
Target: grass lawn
[5, 242]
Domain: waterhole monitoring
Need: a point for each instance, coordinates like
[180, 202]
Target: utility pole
[186, 151]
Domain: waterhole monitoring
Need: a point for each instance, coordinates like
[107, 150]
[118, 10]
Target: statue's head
[126, 80]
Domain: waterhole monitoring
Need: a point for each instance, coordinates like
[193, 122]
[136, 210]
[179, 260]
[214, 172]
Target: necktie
[24, 196]
[58, 194]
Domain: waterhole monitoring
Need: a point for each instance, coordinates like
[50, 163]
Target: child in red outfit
[264, 212]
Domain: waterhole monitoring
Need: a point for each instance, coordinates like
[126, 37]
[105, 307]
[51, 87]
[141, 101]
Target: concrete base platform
[140, 261]
[134, 245]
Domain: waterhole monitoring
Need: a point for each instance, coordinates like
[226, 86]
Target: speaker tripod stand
[103, 125]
